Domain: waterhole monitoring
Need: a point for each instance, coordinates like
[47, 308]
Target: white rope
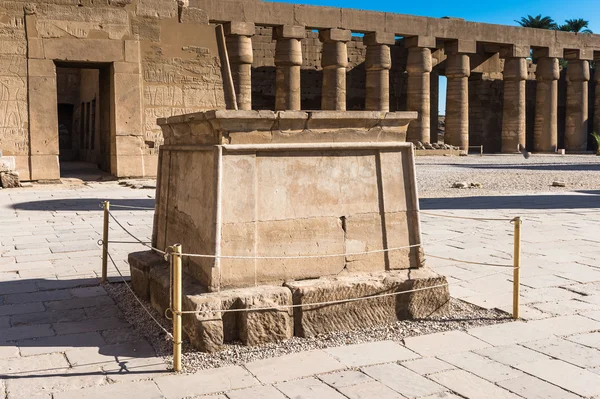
[339, 301]
[137, 299]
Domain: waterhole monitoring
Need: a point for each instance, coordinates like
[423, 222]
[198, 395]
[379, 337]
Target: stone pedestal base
[211, 330]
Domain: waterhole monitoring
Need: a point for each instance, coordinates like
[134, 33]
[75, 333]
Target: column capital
[578, 71]
[379, 38]
[458, 66]
[236, 28]
[515, 69]
[419, 60]
[335, 35]
[547, 69]
[289, 32]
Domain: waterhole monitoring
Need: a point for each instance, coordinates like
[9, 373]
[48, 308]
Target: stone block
[236, 28]
[310, 321]
[9, 180]
[140, 264]
[193, 15]
[289, 32]
[132, 51]
[264, 326]
[35, 48]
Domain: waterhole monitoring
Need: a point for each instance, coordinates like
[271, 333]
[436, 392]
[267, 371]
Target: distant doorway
[83, 92]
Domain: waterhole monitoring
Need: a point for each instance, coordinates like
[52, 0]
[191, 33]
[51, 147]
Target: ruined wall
[485, 112]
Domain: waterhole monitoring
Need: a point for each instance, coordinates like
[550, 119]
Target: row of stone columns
[288, 62]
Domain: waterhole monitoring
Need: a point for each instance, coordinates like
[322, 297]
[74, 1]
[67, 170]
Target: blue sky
[497, 12]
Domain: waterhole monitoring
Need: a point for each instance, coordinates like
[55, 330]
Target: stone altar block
[289, 192]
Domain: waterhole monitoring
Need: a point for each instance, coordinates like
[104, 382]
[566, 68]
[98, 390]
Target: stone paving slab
[591, 340]
[567, 351]
[262, 392]
[534, 388]
[512, 355]
[510, 333]
[480, 366]
[444, 343]
[23, 332]
[567, 325]
[60, 343]
[564, 375]
[295, 365]
[345, 378]
[205, 382]
[471, 386]
[427, 365]
[402, 380]
[134, 390]
[370, 390]
[371, 353]
[308, 388]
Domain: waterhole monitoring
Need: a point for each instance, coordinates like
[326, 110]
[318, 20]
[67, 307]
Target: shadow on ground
[541, 202]
[85, 204]
[44, 317]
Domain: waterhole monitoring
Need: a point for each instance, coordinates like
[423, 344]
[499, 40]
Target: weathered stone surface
[312, 320]
[9, 179]
[263, 326]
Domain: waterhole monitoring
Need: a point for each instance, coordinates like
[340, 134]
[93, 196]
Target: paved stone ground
[62, 337]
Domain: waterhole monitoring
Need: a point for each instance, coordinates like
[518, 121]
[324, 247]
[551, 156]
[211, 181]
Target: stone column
[419, 68]
[334, 61]
[458, 71]
[288, 60]
[238, 36]
[513, 112]
[378, 63]
[545, 132]
[576, 126]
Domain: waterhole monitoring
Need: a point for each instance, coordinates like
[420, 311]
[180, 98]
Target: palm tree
[538, 22]
[578, 25]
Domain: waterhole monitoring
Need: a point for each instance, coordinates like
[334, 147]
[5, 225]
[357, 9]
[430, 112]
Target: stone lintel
[579, 54]
[547, 52]
[460, 46]
[376, 38]
[420, 41]
[237, 28]
[335, 35]
[596, 55]
[289, 32]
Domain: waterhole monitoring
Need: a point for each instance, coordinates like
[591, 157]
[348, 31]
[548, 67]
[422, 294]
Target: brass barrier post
[176, 265]
[517, 266]
[105, 242]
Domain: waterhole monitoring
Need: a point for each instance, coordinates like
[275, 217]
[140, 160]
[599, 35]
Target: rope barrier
[137, 299]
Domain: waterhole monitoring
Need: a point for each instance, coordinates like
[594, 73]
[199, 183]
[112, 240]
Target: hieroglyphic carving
[13, 115]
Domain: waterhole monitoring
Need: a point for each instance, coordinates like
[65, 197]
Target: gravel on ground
[459, 316]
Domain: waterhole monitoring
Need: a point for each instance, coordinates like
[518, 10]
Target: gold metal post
[105, 242]
[176, 265]
[517, 266]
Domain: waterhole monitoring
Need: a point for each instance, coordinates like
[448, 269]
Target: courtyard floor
[62, 336]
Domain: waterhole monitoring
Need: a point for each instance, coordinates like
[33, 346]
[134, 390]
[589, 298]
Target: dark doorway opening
[84, 115]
